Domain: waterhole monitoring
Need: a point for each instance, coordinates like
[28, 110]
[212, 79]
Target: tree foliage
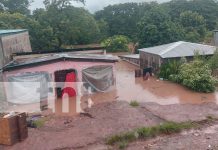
[60, 24]
[156, 28]
[213, 62]
[153, 24]
[197, 76]
[117, 43]
[206, 8]
[194, 26]
[39, 35]
[70, 25]
[122, 19]
[169, 68]
[15, 6]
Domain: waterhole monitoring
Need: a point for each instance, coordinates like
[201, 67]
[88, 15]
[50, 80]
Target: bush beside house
[117, 43]
[196, 75]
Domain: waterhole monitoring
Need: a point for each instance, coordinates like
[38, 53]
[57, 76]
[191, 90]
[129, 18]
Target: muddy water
[162, 92]
[128, 88]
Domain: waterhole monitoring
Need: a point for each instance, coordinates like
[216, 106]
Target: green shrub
[170, 127]
[213, 62]
[134, 104]
[123, 145]
[149, 132]
[125, 137]
[39, 123]
[117, 43]
[197, 76]
[169, 68]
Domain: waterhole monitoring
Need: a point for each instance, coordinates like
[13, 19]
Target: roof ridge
[171, 47]
[202, 44]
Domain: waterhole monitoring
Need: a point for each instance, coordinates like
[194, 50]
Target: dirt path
[82, 131]
[89, 132]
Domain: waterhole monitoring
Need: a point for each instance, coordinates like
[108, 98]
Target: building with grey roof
[132, 58]
[155, 56]
[13, 41]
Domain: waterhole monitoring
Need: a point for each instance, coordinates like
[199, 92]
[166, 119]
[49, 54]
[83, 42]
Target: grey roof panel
[20, 63]
[3, 32]
[135, 56]
[180, 49]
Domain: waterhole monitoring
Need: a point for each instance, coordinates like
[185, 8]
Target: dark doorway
[61, 78]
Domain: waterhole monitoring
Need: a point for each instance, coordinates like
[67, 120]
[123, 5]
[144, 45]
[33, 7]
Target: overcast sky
[94, 5]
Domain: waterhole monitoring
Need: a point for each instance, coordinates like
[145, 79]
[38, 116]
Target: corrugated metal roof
[12, 31]
[20, 63]
[180, 49]
[135, 56]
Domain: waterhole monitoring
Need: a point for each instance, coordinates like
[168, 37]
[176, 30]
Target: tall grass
[148, 132]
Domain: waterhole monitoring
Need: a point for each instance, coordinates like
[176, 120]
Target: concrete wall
[150, 60]
[13, 43]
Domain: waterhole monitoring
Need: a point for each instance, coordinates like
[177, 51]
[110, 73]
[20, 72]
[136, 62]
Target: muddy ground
[89, 131]
[200, 139]
[111, 115]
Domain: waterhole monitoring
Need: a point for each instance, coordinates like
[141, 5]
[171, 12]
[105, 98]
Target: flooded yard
[162, 92]
[128, 88]
[93, 118]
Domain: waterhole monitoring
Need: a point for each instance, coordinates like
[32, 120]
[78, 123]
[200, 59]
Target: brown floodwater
[153, 90]
[128, 88]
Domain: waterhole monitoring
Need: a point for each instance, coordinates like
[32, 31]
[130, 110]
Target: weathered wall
[14, 43]
[134, 61]
[53, 67]
[150, 60]
[1, 55]
[215, 38]
[2, 90]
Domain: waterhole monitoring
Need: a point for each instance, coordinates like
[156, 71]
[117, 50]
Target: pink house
[97, 72]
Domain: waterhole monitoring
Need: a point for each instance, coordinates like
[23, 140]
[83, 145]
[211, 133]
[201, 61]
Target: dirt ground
[89, 131]
[204, 139]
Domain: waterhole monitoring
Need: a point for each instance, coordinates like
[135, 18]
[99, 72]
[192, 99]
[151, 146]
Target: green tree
[194, 25]
[156, 28]
[117, 43]
[70, 25]
[197, 76]
[122, 19]
[213, 62]
[15, 6]
[104, 29]
[206, 8]
[40, 37]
